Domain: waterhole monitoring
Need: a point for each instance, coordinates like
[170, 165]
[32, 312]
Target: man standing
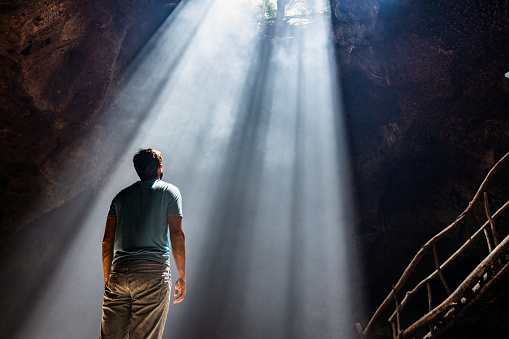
[136, 253]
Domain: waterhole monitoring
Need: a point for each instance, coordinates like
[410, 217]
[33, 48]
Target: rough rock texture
[426, 100]
[424, 91]
[59, 60]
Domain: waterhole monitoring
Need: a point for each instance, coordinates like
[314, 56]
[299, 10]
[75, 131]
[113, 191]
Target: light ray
[248, 118]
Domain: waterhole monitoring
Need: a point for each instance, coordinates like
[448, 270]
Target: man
[136, 253]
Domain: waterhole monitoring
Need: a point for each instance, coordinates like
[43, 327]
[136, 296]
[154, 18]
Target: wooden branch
[478, 296]
[487, 236]
[430, 305]
[448, 261]
[471, 280]
[397, 313]
[430, 301]
[404, 277]
[439, 270]
[359, 329]
[490, 219]
[471, 239]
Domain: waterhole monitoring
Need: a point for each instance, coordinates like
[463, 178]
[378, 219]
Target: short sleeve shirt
[142, 227]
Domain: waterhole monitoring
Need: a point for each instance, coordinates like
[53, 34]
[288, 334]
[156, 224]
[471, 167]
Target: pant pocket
[151, 288]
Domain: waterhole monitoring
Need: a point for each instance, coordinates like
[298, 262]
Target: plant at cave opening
[269, 11]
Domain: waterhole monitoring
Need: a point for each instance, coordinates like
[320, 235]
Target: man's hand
[180, 286]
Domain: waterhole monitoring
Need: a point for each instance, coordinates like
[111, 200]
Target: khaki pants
[136, 300]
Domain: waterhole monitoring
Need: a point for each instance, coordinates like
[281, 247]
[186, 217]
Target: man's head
[148, 164]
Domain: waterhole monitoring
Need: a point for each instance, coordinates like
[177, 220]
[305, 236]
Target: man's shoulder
[157, 185]
[127, 189]
[167, 186]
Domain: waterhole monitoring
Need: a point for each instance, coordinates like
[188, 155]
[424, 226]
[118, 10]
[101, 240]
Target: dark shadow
[294, 304]
[33, 256]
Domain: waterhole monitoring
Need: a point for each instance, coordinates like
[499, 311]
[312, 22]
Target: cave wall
[426, 104]
[59, 61]
[425, 101]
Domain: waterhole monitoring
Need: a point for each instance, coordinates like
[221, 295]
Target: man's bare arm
[108, 242]
[178, 246]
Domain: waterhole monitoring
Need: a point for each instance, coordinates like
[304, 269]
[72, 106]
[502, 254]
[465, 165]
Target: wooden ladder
[438, 319]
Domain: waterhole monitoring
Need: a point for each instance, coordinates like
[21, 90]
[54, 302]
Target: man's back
[136, 253]
[141, 211]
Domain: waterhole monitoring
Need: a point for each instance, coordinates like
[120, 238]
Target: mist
[248, 118]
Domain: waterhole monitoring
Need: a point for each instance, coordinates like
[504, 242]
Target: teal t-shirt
[142, 227]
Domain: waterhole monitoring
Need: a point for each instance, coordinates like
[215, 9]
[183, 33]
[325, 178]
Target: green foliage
[267, 12]
[299, 7]
[327, 9]
[303, 7]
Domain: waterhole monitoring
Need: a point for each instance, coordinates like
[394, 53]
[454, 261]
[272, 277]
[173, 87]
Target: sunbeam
[247, 115]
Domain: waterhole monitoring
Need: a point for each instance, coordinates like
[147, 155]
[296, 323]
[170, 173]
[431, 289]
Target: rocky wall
[59, 59]
[426, 104]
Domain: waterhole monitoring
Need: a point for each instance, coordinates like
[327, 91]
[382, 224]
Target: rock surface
[425, 94]
[426, 101]
[59, 61]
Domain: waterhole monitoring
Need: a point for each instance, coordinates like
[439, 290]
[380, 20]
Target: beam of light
[248, 119]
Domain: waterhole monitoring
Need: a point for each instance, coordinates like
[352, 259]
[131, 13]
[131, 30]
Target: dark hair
[146, 162]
